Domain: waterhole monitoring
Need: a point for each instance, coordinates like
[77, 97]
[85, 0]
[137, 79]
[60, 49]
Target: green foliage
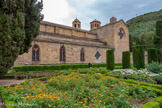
[19, 25]
[159, 54]
[151, 105]
[154, 67]
[126, 59]
[159, 100]
[110, 59]
[152, 55]
[158, 37]
[158, 79]
[138, 57]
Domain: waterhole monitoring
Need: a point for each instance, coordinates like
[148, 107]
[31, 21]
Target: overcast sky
[65, 11]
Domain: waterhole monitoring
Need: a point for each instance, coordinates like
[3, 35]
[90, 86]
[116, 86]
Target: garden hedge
[156, 88]
[151, 105]
[152, 55]
[159, 100]
[110, 59]
[138, 57]
[126, 59]
[49, 68]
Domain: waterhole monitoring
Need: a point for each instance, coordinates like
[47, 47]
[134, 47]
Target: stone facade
[95, 42]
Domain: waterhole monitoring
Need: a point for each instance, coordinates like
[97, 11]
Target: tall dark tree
[19, 25]
[158, 37]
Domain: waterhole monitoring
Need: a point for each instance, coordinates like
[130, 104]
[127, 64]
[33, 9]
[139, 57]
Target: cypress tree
[110, 59]
[158, 37]
[126, 59]
[138, 57]
[15, 28]
[152, 55]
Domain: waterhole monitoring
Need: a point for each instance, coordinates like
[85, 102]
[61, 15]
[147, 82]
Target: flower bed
[76, 90]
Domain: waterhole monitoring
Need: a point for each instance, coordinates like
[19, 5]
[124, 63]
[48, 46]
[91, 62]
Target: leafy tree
[19, 25]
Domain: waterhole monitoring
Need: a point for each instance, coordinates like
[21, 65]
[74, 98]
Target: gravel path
[10, 82]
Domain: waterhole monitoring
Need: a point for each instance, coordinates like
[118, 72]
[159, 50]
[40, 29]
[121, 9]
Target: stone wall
[49, 54]
[120, 45]
[64, 30]
[109, 33]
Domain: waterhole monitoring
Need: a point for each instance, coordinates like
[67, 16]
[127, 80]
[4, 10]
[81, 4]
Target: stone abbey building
[59, 44]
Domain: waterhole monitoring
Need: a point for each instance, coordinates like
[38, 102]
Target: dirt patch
[138, 103]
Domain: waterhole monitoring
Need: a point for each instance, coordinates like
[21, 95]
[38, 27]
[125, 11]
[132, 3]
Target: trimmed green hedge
[49, 68]
[126, 59]
[151, 105]
[138, 57]
[152, 55]
[159, 100]
[156, 88]
[110, 59]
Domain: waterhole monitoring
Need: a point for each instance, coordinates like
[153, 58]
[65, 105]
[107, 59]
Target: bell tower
[76, 24]
[95, 24]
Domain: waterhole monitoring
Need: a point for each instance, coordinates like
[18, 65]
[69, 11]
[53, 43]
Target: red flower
[114, 85]
[119, 82]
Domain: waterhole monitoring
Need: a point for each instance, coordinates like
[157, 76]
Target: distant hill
[144, 24]
[142, 29]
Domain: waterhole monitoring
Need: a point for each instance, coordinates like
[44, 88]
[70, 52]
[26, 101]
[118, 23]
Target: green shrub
[152, 55]
[83, 71]
[9, 104]
[126, 59]
[91, 71]
[154, 67]
[158, 79]
[159, 100]
[103, 71]
[151, 105]
[138, 57]
[110, 59]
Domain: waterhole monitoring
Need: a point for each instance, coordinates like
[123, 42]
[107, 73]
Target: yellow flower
[99, 101]
[49, 105]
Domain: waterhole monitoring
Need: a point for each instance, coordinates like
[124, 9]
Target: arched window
[35, 53]
[62, 54]
[82, 58]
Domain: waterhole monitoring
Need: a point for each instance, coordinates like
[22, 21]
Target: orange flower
[99, 101]
[104, 102]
